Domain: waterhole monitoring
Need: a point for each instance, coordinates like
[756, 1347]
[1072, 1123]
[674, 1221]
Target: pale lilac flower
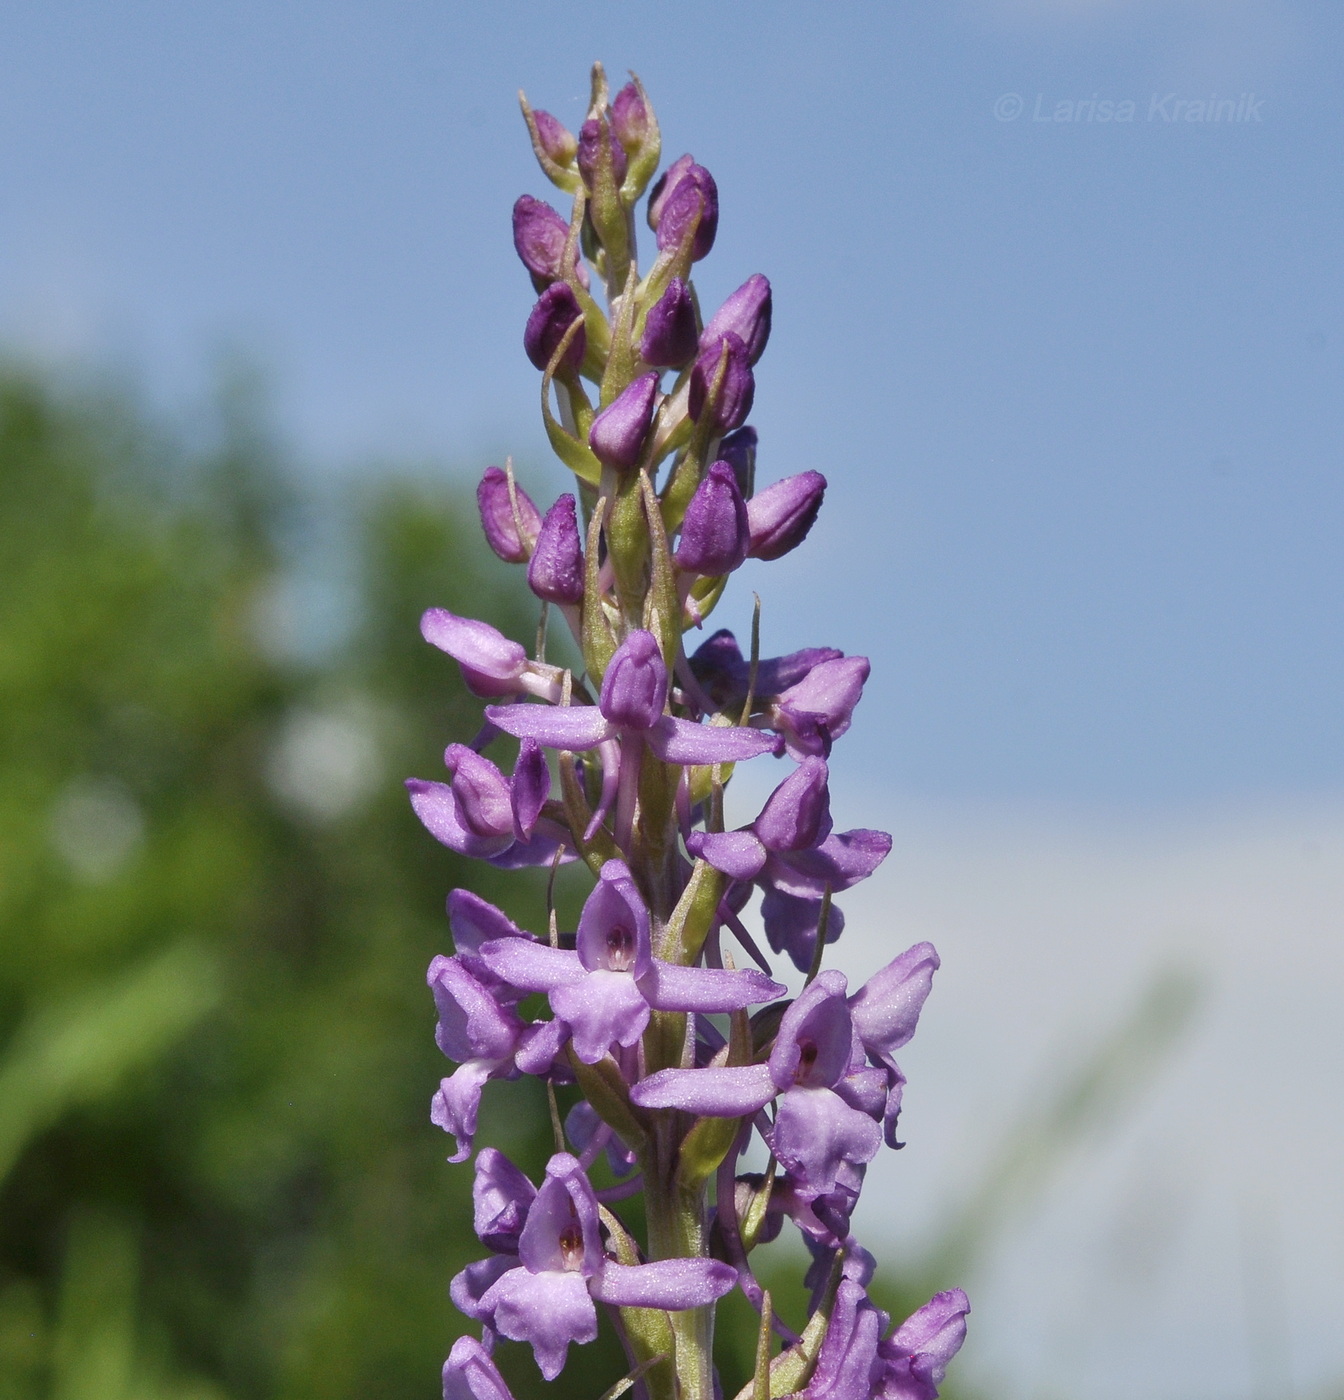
[470, 1374]
[545, 1296]
[605, 989]
[492, 665]
[915, 1356]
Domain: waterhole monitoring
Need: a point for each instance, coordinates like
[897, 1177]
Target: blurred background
[1058, 313]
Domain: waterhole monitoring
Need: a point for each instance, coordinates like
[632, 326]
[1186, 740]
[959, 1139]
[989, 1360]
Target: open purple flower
[545, 1296]
[816, 711]
[606, 987]
[484, 814]
[816, 1128]
[631, 704]
[488, 1039]
[792, 853]
[723, 672]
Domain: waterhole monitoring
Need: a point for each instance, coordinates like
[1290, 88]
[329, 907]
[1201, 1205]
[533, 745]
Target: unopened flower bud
[556, 570]
[669, 338]
[634, 689]
[511, 532]
[738, 449]
[685, 195]
[590, 146]
[556, 139]
[618, 432]
[630, 118]
[731, 393]
[539, 235]
[782, 514]
[747, 314]
[556, 310]
[714, 533]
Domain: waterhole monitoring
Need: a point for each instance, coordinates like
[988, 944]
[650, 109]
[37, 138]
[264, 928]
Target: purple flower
[555, 312]
[556, 570]
[722, 384]
[847, 1364]
[510, 532]
[782, 514]
[545, 1297]
[722, 670]
[474, 921]
[590, 149]
[746, 313]
[470, 1374]
[631, 703]
[915, 1356]
[618, 432]
[556, 139]
[792, 853]
[816, 1129]
[482, 813]
[582, 1125]
[685, 198]
[714, 533]
[605, 989]
[488, 1039]
[539, 236]
[669, 338]
[816, 711]
[492, 665]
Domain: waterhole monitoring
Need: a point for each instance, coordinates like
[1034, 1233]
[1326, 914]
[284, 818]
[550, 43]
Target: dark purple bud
[686, 196]
[747, 314]
[782, 514]
[618, 432]
[556, 310]
[510, 522]
[556, 570]
[539, 235]
[735, 391]
[738, 449]
[714, 533]
[629, 118]
[634, 689]
[556, 139]
[669, 330]
[590, 144]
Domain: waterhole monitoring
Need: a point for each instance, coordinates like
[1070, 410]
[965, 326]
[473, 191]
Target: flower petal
[673, 1284]
[598, 1008]
[437, 807]
[669, 987]
[535, 966]
[574, 727]
[548, 1310]
[681, 741]
[737, 853]
[718, 1092]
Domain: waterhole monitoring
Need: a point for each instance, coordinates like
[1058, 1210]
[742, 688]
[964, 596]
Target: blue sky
[1075, 383]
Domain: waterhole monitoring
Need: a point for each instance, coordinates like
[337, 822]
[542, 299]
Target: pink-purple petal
[718, 1092]
[535, 966]
[670, 987]
[574, 727]
[682, 741]
[673, 1284]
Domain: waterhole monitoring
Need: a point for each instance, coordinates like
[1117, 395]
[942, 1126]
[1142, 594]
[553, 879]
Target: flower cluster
[681, 1056]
